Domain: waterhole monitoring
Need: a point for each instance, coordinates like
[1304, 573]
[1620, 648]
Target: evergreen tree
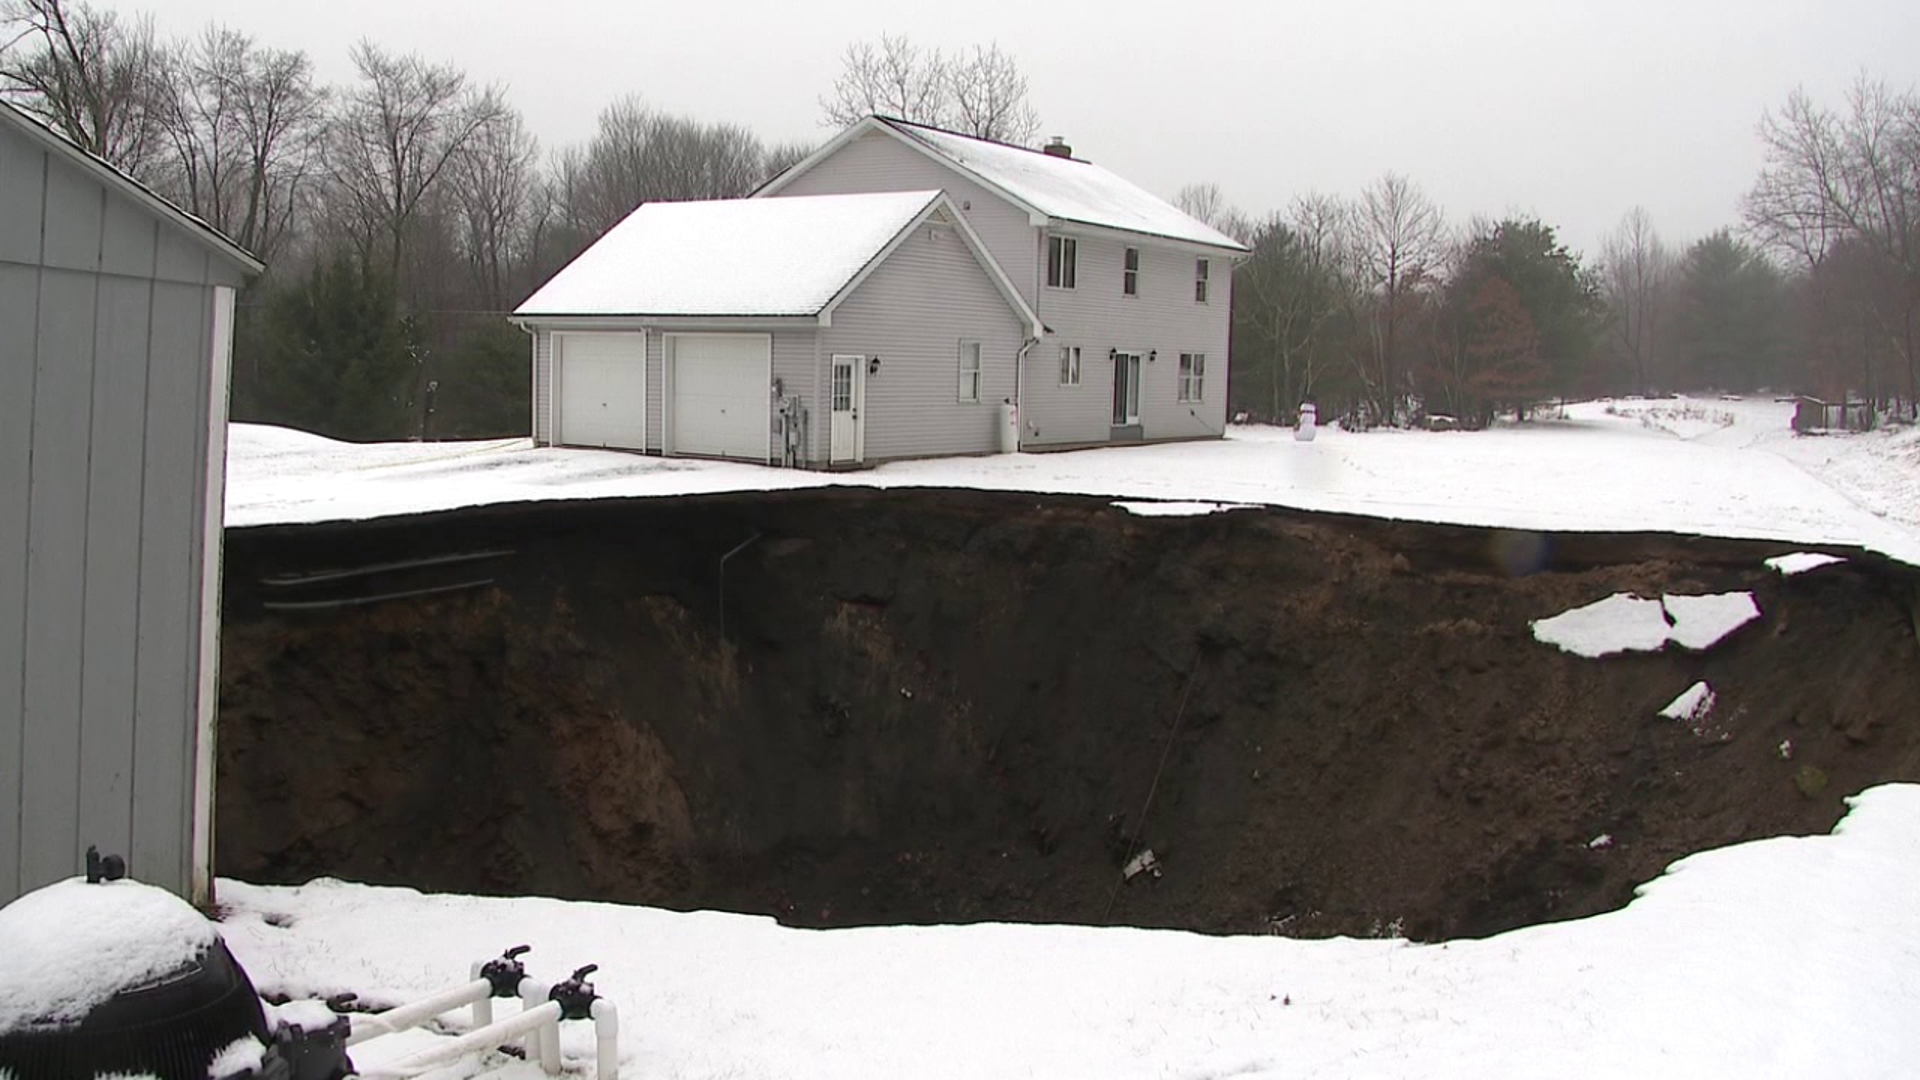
[1730, 317]
[333, 357]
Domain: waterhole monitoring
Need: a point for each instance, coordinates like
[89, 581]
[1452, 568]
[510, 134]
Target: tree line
[404, 212]
[401, 214]
[1378, 310]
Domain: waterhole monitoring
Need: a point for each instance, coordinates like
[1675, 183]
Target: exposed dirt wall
[938, 706]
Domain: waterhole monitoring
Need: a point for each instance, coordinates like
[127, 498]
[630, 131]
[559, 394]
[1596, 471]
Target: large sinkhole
[851, 707]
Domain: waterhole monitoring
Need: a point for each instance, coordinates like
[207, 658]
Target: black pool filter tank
[105, 976]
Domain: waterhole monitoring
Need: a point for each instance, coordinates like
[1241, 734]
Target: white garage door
[603, 390]
[721, 385]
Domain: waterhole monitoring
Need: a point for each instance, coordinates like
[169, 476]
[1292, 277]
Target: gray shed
[116, 325]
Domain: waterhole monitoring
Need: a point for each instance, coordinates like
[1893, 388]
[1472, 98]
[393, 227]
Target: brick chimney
[1058, 147]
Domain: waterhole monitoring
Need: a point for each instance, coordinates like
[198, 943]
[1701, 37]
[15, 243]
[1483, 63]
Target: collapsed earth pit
[846, 707]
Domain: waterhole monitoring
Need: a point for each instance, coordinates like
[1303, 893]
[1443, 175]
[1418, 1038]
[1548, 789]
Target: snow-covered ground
[1629, 465]
[1790, 957]
[1781, 958]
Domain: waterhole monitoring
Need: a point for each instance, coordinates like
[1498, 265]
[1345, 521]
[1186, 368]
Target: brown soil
[945, 706]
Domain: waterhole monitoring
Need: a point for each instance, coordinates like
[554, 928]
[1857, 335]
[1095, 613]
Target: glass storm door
[1126, 389]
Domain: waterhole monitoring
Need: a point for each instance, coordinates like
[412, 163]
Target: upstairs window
[1069, 365]
[970, 371]
[1200, 281]
[1193, 370]
[1063, 261]
[1130, 275]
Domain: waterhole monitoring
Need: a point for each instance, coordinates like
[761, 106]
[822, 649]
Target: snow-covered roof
[745, 257]
[1064, 188]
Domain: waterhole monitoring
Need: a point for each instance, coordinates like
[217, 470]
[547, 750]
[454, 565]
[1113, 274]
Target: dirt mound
[845, 707]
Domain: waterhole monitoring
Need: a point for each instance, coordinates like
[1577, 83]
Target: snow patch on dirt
[1627, 623]
[1800, 562]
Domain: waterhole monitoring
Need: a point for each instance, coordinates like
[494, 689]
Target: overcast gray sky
[1572, 111]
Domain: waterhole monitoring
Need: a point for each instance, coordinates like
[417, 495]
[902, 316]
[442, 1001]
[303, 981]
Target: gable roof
[746, 257]
[111, 176]
[1063, 189]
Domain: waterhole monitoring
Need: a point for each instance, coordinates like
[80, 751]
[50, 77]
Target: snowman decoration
[1303, 431]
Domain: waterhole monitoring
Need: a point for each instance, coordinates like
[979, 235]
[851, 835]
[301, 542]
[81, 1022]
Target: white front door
[721, 396]
[1126, 389]
[603, 390]
[846, 401]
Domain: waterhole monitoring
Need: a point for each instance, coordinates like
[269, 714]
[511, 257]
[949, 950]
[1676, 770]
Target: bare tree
[395, 137]
[240, 128]
[492, 184]
[896, 79]
[88, 74]
[1205, 204]
[640, 155]
[983, 94]
[1398, 233]
[1634, 267]
[1854, 178]
[989, 97]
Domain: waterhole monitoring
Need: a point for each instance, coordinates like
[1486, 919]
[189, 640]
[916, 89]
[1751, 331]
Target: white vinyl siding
[1063, 262]
[1193, 375]
[880, 162]
[1161, 322]
[908, 317]
[970, 372]
[542, 385]
[1069, 365]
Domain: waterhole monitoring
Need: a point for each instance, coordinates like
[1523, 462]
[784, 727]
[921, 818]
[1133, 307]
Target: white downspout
[1020, 390]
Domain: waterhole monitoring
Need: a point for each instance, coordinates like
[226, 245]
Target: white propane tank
[1009, 427]
[1303, 431]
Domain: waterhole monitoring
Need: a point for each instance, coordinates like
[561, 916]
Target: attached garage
[707, 329]
[719, 394]
[603, 389]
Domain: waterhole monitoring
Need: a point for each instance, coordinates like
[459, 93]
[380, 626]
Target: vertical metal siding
[106, 396]
[167, 672]
[913, 312]
[880, 162]
[19, 305]
[112, 606]
[56, 571]
[1163, 318]
[542, 385]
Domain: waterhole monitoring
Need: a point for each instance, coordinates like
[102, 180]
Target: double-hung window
[1193, 376]
[1200, 281]
[969, 371]
[1063, 258]
[1069, 365]
[1130, 273]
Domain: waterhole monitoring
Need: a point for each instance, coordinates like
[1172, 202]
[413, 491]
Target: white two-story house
[897, 294]
[1133, 294]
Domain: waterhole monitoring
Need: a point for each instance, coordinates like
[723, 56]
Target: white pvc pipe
[483, 1008]
[606, 1034]
[532, 996]
[413, 1014]
[545, 1018]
